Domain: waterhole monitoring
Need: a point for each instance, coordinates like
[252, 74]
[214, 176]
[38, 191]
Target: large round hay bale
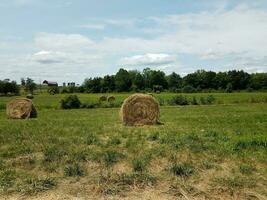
[22, 108]
[140, 109]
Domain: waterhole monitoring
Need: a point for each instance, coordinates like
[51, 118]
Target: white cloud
[93, 26]
[66, 42]
[236, 37]
[148, 59]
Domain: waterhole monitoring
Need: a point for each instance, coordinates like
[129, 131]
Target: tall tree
[174, 81]
[30, 85]
[123, 81]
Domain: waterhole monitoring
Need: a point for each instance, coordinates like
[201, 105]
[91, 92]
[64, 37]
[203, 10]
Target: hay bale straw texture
[139, 110]
[22, 108]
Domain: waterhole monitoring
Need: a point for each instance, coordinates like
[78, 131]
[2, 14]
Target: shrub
[188, 89]
[203, 101]
[194, 101]
[53, 90]
[210, 99]
[70, 102]
[179, 100]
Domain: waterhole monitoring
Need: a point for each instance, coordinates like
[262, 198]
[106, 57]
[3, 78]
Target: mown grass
[46, 101]
[201, 150]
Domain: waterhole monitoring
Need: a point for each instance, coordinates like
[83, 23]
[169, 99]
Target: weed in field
[74, 169]
[53, 153]
[92, 139]
[140, 164]
[2, 164]
[114, 141]
[207, 164]
[110, 157]
[183, 169]
[35, 185]
[153, 136]
[7, 179]
[247, 169]
[138, 179]
[235, 182]
[79, 155]
[251, 143]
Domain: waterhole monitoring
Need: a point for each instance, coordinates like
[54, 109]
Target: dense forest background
[154, 81]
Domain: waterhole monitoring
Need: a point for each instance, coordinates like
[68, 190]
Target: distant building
[71, 84]
[50, 83]
[64, 84]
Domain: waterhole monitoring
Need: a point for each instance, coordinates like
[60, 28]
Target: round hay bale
[103, 98]
[111, 99]
[139, 110]
[22, 108]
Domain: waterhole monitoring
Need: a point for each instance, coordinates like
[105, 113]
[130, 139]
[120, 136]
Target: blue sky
[69, 40]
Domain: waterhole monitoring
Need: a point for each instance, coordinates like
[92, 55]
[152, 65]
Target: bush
[179, 100]
[194, 101]
[53, 90]
[188, 89]
[203, 101]
[210, 99]
[70, 102]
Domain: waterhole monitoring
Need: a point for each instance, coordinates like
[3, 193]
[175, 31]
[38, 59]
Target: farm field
[216, 151]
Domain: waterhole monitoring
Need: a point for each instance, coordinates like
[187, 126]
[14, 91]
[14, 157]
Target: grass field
[214, 151]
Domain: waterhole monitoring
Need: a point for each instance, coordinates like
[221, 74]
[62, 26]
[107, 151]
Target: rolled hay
[139, 110]
[111, 99]
[103, 98]
[22, 108]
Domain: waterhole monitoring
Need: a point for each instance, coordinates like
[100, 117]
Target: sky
[70, 40]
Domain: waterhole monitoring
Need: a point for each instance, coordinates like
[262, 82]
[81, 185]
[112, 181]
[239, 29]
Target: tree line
[154, 81]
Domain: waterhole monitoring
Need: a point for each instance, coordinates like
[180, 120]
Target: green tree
[174, 81]
[123, 81]
[30, 85]
[139, 82]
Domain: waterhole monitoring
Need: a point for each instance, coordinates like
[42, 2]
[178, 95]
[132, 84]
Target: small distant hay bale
[29, 96]
[103, 98]
[139, 110]
[111, 99]
[22, 108]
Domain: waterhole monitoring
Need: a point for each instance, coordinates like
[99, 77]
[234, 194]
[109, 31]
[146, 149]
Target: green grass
[46, 101]
[221, 146]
